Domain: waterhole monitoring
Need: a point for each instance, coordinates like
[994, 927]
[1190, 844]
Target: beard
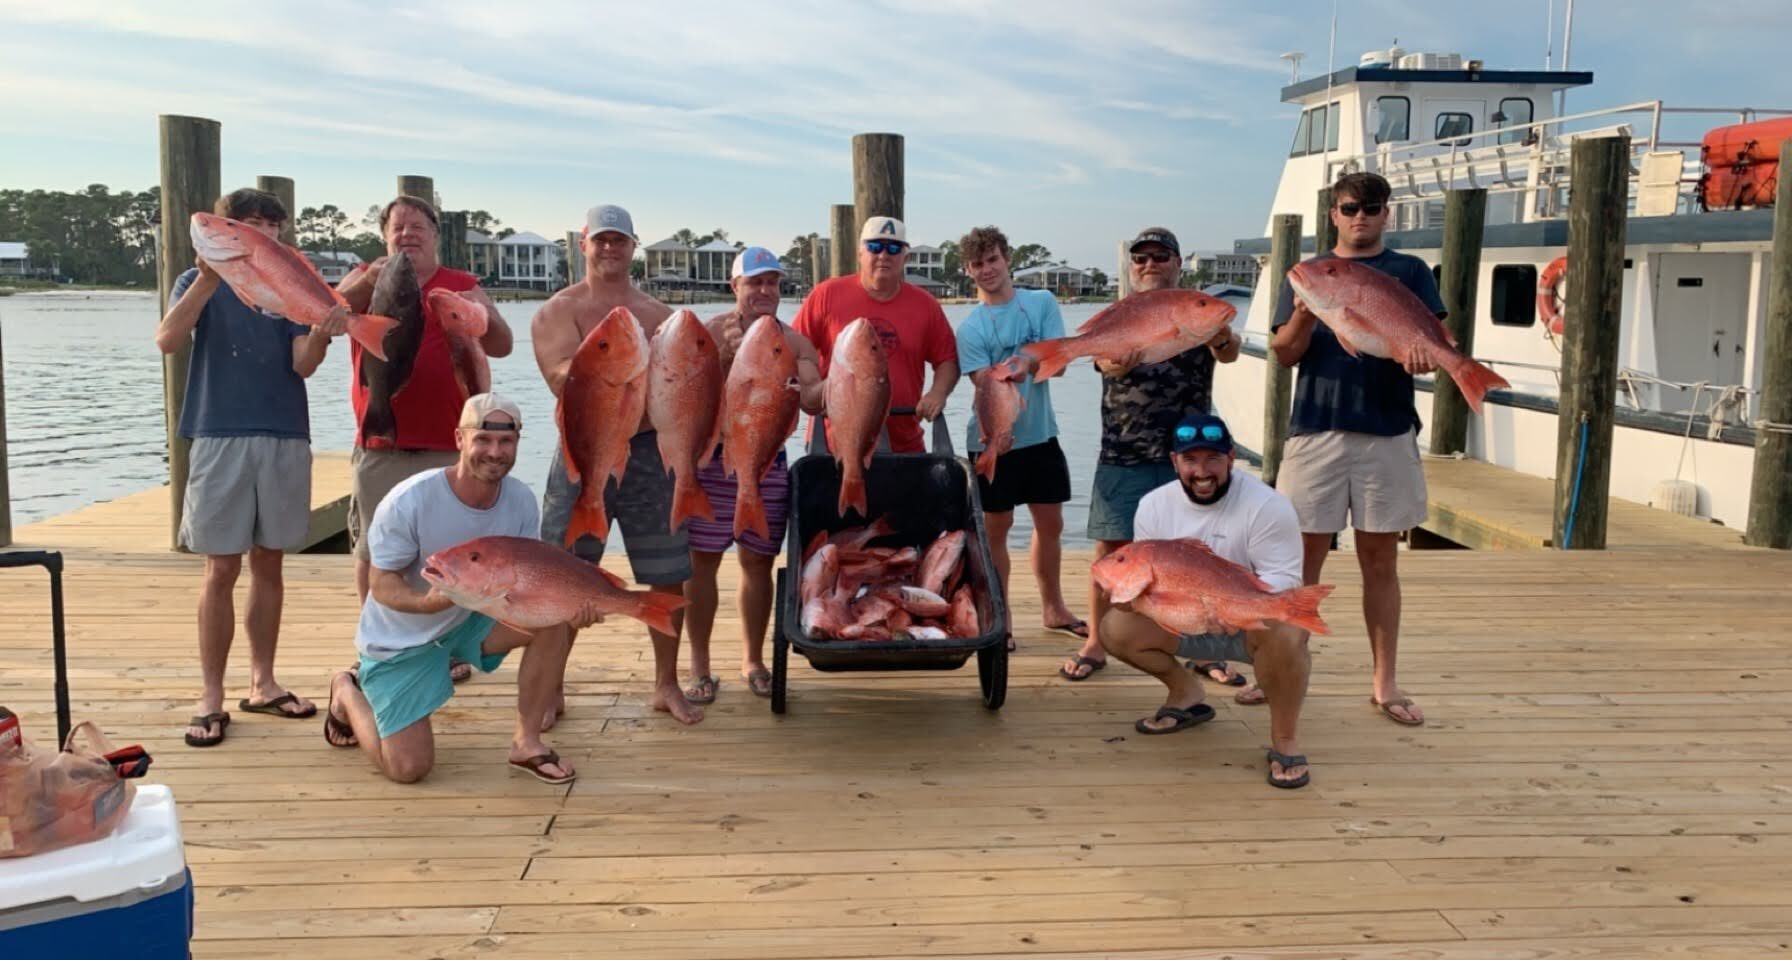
[1219, 492]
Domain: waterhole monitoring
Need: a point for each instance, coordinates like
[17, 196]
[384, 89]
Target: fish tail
[379, 430]
[1300, 607]
[689, 500]
[986, 463]
[656, 610]
[1053, 356]
[749, 510]
[588, 516]
[852, 492]
[369, 330]
[1474, 379]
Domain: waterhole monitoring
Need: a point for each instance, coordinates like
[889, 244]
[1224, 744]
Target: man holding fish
[1352, 452]
[1013, 430]
[755, 280]
[591, 343]
[1156, 350]
[249, 481]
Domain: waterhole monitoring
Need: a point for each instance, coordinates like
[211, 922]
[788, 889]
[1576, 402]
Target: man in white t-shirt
[1247, 522]
[408, 630]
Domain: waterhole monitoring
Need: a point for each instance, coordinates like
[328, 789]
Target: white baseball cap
[884, 228]
[608, 218]
[479, 408]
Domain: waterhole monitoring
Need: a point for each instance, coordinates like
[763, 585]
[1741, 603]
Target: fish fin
[1302, 607]
[1474, 379]
[587, 517]
[369, 330]
[379, 429]
[1131, 591]
[614, 580]
[749, 511]
[656, 610]
[1353, 317]
[715, 441]
[1053, 356]
[689, 500]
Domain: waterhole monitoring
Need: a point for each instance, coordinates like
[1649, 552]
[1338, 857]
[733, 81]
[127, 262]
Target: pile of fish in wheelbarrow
[853, 590]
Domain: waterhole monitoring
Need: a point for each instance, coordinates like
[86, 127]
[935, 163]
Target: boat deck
[1607, 774]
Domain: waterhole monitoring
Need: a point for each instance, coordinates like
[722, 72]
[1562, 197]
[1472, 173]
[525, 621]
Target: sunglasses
[1156, 256]
[1351, 209]
[498, 426]
[890, 247]
[1212, 433]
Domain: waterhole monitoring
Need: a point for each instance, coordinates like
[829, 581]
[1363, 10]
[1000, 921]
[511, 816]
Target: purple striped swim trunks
[714, 536]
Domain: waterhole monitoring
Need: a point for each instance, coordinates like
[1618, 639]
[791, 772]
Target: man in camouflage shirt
[1140, 407]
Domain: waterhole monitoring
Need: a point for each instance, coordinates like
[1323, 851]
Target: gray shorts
[374, 474]
[246, 491]
[641, 504]
[1213, 646]
[1376, 482]
[1115, 497]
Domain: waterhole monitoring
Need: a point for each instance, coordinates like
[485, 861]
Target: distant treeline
[91, 236]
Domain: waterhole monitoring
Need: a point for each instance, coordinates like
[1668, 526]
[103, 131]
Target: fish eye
[474, 556]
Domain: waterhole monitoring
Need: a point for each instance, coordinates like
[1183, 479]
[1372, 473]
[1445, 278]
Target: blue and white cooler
[127, 895]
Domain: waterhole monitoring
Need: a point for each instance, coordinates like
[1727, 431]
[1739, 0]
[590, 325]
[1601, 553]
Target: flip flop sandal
[340, 728]
[1199, 713]
[706, 687]
[1228, 676]
[1072, 629]
[1095, 666]
[1391, 715]
[1288, 763]
[272, 707]
[760, 682]
[459, 671]
[205, 722]
[1257, 701]
[533, 765]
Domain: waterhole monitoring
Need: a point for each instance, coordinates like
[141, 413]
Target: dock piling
[1325, 232]
[575, 258]
[1599, 192]
[1465, 214]
[1123, 278]
[876, 178]
[843, 230]
[413, 185]
[818, 264]
[5, 482]
[281, 187]
[451, 240]
[190, 150]
[1770, 490]
[1278, 381]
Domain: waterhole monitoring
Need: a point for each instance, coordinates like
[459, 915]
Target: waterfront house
[927, 261]
[333, 265]
[1236, 269]
[529, 260]
[1060, 278]
[15, 261]
[672, 265]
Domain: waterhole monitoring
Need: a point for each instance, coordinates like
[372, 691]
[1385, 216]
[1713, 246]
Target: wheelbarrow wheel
[992, 673]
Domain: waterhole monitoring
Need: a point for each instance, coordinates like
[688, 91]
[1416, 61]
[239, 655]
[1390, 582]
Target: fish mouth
[432, 573]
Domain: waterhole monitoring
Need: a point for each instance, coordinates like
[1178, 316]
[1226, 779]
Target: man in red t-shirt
[908, 320]
[428, 409]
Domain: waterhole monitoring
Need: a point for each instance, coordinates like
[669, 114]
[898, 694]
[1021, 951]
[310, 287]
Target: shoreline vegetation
[10, 286]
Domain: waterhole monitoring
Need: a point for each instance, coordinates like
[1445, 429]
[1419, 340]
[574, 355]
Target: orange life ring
[1548, 284]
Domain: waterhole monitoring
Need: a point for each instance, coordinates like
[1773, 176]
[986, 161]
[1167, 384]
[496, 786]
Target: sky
[1065, 123]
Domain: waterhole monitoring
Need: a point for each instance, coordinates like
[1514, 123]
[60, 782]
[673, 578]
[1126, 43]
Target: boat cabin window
[1516, 110]
[1514, 301]
[1299, 149]
[1317, 132]
[1394, 119]
[1454, 125]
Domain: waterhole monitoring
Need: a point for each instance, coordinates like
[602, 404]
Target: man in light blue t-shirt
[409, 630]
[1033, 472]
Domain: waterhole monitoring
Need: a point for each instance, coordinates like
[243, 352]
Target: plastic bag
[49, 801]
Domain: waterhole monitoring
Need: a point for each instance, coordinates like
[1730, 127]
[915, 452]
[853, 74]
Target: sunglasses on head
[1210, 432]
[1350, 208]
[891, 247]
[497, 426]
[1155, 256]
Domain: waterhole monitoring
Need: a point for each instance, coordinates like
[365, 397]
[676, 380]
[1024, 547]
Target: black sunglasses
[1156, 256]
[890, 247]
[1351, 208]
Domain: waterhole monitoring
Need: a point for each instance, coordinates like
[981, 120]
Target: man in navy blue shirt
[249, 468]
[1353, 437]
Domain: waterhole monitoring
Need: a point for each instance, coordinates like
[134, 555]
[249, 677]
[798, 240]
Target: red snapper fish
[1188, 589]
[1157, 324]
[269, 275]
[998, 403]
[528, 585]
[760, 405]
[600, 407]
[1373, 313]
[463, 321]
[684, 400]
[937, 564]
[858, 402]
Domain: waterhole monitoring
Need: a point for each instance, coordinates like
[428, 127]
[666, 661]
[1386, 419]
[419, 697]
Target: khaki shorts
[246, 491]
[1378, 482]
[375, 473]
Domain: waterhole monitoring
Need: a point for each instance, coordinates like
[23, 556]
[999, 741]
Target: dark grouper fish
[398, 296]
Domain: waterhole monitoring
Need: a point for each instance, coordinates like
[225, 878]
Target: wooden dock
[1607, 774]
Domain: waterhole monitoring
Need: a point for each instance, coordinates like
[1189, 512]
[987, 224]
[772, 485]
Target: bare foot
[553, 716]
[1251, 696]
[671, 700]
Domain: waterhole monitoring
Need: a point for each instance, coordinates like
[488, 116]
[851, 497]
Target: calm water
[84, 402]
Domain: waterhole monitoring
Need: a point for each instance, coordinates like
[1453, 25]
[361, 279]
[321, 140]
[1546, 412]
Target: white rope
[1769, 426]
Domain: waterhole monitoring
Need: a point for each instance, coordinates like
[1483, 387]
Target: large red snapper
[858, 403]
[1157, 324]
[760, 404]
[998, 403]
[601, 405]
[528, 584]
[1188, 589]
[463, 321]
[684, 403]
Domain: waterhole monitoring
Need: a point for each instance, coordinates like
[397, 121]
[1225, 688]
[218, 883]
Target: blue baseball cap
[754, 261]
[1201, 431]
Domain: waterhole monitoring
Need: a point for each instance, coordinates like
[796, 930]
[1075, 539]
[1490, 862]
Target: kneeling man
[409, 630]
[1247, 522]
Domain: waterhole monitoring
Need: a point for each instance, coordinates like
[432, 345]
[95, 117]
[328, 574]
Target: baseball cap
[477, 411]
[608, 218]
[754, 261]
[1155, 235]
[883, 228]
[1201, 431]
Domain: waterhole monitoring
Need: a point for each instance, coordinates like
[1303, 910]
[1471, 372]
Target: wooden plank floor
[1487, 507]
[1607, 774]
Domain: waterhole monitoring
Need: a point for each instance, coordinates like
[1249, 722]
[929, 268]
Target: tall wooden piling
[5, 482]
[1598, 192]
[1278, 381]
[575, 258]
[451, 240]
[190, 150]
[1123, 279]
[412, 185]
[818, 265]
[876, 177]
[1325, 232]
[1465, 214]
[1770, 492]
[843, 240]
[281, 187]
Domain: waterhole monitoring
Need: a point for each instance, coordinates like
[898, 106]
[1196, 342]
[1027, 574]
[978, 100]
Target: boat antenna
[1567, 53]
[1325, 108]
[1549, 36]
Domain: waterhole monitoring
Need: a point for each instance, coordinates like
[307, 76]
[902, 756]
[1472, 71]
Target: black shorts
[1035, 474]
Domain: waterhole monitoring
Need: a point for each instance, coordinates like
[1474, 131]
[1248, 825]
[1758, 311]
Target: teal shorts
[1116, 495]
[415, 683]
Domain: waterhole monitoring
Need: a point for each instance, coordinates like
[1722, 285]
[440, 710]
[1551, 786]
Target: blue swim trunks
[415, 682]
